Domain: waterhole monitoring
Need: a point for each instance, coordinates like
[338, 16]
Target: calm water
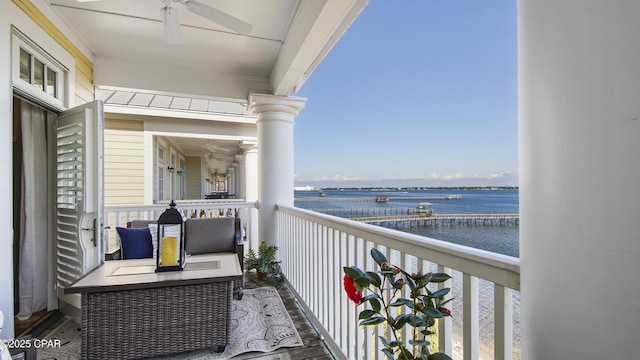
[501, 239]
[497, 238]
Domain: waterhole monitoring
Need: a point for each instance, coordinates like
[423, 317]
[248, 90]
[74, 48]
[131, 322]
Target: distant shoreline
[423, 188]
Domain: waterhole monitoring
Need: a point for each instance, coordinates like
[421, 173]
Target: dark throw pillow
[135, 243]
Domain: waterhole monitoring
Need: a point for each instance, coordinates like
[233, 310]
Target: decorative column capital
[248, 146]
[264, 103]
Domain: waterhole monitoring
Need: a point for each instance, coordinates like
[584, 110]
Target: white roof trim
[148, 104]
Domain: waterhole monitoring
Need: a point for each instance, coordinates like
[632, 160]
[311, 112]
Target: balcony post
[250, 221]
[241, 178]
[275, 120]
[231, 180]
[579, 125]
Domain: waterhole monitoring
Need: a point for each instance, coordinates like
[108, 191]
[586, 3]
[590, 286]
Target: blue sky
[416, 93]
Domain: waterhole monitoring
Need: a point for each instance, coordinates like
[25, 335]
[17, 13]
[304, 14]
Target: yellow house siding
[84, 89]
[123, 164]
[193, 172]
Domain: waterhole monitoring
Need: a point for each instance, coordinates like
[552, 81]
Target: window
[182, 178]
[161, 167]
[36, 74]
[172, 175]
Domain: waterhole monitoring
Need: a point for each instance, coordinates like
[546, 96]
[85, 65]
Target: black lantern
[170, 249]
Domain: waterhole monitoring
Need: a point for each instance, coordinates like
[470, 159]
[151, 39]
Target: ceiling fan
[171, 23]
[213, 147]
[212, 156]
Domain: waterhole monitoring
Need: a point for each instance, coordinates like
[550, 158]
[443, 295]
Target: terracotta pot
[262, 276]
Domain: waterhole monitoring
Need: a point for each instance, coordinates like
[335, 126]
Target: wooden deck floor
[313, 349]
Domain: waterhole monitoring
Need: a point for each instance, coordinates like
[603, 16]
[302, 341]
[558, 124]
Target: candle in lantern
[169, 251]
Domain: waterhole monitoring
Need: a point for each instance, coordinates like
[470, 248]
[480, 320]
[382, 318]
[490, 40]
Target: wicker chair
[216, 235]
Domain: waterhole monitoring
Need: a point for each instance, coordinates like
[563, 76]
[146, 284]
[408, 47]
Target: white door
[79, 194]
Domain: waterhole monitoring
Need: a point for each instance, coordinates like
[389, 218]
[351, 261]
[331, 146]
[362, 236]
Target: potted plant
[265, 264]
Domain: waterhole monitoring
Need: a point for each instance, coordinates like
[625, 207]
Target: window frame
[29, 89]
[182, 164]
[161, 168]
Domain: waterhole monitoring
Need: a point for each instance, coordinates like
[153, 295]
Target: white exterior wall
[579, 76]
[11, 15]
[6, 225]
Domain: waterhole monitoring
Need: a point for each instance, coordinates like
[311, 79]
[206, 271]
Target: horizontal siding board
[118, 124]
[124, 191]
[123, 179]
[116, 173]
[131, 153]
[123, 165]
[124, 200]
[123, 159]
[124, 143]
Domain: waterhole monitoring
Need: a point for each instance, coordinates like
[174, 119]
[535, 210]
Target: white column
[250, 223]
[579, 110]
[231, 180]
[276, 116]
[241, 179]
[236, 176]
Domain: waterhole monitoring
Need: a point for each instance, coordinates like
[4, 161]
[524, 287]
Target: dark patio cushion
[210, 235]
[135, 243]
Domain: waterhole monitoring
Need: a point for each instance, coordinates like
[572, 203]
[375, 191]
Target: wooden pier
[373, 198]
[367, 212]
[440, 220]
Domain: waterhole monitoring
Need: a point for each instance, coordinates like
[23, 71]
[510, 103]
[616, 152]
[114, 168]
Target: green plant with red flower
[419, 311]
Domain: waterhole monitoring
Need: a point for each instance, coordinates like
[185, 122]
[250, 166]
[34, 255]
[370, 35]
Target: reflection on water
[502, 239]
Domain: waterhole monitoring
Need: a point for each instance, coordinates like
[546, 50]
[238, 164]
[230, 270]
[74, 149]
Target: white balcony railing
[119, 215]
[315, 247]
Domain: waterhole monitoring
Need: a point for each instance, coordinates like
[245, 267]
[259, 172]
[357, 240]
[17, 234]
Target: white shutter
[79, 193]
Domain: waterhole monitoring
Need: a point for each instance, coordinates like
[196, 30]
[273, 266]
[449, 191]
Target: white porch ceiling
[215, 69]
[132, 30]
[287, 41]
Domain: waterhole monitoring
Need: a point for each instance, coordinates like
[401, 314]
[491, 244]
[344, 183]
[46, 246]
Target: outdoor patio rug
[68, 332]
[259, 323]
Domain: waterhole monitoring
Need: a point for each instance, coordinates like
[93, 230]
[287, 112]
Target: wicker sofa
[205, 236]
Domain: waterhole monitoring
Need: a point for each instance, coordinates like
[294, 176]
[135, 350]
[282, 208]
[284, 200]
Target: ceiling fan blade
[171, 25]
[224, 19]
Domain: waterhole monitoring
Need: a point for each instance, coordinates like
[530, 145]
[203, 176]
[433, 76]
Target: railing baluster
[307, 270]
[503, 323]
[344, 304]
[371, 334]
[405, 293]
[445, 325]
[471, 315]
[323, 272]
[333, 298]
[359, 260]
[311, 259]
